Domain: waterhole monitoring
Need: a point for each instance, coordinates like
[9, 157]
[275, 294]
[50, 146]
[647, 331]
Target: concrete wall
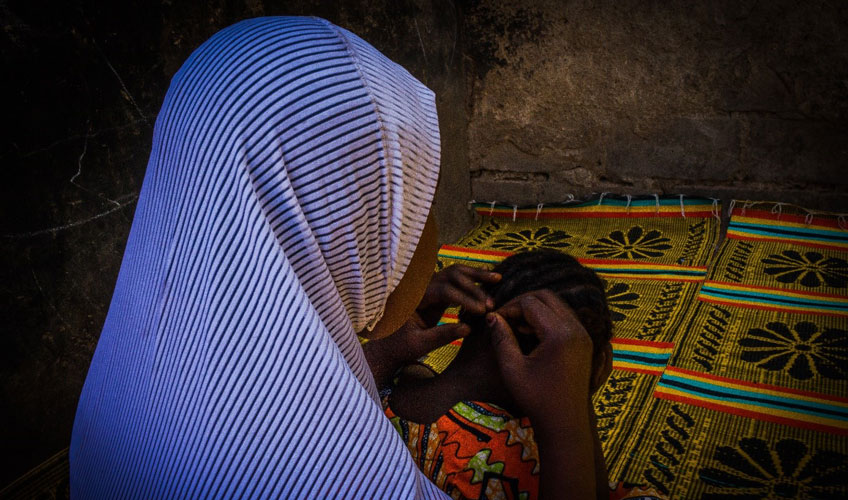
[536, 100]
[728, 99]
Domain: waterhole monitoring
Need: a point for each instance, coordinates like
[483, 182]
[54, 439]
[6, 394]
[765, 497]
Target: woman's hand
[546, 382]
[551, 385]
[413, 340]
[420, 335]
[456, 285]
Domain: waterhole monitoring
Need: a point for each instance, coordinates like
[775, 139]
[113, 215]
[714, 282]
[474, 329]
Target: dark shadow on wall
[84, 82]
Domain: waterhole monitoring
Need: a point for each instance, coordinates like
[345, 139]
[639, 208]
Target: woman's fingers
[454, 296]
[541, 382]
[457, 286]
[425, 341]
[465, 279]
[547, 316]
[557, 305]
[505, 344]
[462, 281]
[477, 274]
[529, 309]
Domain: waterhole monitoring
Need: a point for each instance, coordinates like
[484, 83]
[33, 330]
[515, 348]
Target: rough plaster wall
[84, 83]
[728, 99]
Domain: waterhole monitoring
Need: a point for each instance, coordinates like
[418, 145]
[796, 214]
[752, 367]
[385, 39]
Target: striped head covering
[291, 174]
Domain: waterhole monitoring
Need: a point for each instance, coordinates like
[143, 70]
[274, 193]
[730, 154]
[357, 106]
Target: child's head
[574, 284]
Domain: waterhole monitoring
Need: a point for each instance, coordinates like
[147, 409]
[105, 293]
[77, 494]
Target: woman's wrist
[566, 454]
[558, 410]
[560, 424]
[382, 360]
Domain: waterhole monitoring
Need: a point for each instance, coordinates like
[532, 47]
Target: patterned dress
[479, 451]
[476, 450]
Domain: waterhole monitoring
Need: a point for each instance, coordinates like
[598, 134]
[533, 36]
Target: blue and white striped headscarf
[292, 171]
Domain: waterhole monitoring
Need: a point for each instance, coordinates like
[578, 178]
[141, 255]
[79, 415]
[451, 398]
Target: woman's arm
[601, 474]
[551, 385]
[453, 286]
[386, 355]
[566, 456]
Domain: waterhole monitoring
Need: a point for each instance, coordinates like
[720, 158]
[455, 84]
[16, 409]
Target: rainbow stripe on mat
[645, 270]
[773, 299]
[605, 267]
[769, 403]
[641, 356]
[608, 207]
[448, 319]
[472, 254]
[789, 230]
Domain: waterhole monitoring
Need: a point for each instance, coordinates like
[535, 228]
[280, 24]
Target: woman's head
[292, 154]
[317, 136]
[291, 176]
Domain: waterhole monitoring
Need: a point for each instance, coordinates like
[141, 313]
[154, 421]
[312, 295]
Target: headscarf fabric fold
[291, 174]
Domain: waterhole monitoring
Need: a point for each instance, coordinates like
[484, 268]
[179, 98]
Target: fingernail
[490, 304]
[463, 330]
[491, 319]
[496, 276]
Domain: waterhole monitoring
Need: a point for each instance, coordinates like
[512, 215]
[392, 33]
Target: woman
[291, 176]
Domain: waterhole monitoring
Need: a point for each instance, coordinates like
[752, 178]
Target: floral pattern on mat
[788, 469]
[810, 269]
[801, 350]
[635, 244]
[527, 240]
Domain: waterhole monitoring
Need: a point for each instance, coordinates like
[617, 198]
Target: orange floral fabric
[477, 450]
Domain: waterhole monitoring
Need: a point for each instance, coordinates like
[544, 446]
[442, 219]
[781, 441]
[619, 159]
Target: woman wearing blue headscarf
[291, 176]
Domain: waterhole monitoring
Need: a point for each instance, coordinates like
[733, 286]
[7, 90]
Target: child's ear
[603, 368]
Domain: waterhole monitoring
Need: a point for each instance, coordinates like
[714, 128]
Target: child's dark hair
[574, 284]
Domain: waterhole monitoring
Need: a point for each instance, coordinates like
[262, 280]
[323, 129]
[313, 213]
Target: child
[463, 428]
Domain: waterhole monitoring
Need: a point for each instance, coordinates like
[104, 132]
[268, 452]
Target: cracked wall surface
[728, 99]
[537, 100]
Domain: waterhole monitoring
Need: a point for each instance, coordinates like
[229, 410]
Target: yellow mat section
[730, 363]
